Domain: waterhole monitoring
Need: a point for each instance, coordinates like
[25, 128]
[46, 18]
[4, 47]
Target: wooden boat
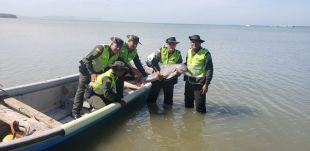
[46, 108]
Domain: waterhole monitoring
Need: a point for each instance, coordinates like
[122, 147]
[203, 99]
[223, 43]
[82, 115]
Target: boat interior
[33, 112]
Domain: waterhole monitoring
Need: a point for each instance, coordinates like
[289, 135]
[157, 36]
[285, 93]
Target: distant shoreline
[73, 18]
[5, 15]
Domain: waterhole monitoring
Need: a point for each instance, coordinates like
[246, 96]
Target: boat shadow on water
[98, 136]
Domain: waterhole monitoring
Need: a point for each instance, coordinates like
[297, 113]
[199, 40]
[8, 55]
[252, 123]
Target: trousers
[193, 93]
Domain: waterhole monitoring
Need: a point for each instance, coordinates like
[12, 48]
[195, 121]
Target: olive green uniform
[193, 86]
[86, 68]
[107, 89]
[166, 85]
[132, 55]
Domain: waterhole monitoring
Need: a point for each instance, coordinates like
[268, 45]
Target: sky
[231, 12]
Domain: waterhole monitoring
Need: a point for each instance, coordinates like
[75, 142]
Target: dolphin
[168, 71]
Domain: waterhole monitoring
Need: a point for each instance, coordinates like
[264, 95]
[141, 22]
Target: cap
[117, 40]
[134, 38]
[119, 65]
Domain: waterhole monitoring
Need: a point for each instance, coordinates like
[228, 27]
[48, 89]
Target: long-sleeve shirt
[86, 66]
[136, 60]
[209, 68]
[139, 66]
[109, 94]
[86, 63]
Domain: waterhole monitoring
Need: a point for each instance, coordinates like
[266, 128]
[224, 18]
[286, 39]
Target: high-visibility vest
[172, 59]
[126, 55]
[105, 59]
[99, 87]
[197, 64]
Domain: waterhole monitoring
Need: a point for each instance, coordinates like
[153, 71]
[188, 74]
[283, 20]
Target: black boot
[75, 115]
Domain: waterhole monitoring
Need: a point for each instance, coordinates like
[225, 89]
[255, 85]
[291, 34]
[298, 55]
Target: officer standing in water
[92, 65]
[165, 55]
[199, 64]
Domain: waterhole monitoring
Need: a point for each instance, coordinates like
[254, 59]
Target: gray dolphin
[168, 71]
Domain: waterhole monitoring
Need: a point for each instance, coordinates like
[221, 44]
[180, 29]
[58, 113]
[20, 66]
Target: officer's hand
[137, 74]
[143, 80]
[178, 73]
[123, 103]
[204, 89]
[160, 76]
[93, 77]
[138, 77]
[141, 84]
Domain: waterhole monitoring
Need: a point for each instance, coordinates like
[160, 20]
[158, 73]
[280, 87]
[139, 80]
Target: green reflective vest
[99, 87]
[105, 59]
[172, 59]
[197, 64]
[126, 55]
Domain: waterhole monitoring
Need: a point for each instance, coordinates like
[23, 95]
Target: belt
[193, 80]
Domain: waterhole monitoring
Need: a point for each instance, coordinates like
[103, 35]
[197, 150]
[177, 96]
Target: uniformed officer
[164, 55]
[107, 88]
[92, 65]
[199, 64]
[129, 53]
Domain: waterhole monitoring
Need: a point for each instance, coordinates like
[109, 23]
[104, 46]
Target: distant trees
[4, 15]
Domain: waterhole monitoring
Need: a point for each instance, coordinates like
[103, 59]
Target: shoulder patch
[159, 50]
[96, 52]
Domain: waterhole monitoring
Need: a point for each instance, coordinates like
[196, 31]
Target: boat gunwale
[37, 86]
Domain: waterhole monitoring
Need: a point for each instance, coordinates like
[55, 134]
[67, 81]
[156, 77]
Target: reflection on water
[173, 132]
[224, 110]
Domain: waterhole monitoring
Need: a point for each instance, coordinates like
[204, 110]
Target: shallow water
[258, 99]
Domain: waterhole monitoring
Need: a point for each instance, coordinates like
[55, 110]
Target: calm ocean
[259, 98]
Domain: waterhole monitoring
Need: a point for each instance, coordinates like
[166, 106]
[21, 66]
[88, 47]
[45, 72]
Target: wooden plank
[8, 116]
[31, 112]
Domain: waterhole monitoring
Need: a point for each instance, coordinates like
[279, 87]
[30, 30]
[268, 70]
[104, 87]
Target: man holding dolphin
[165, 55]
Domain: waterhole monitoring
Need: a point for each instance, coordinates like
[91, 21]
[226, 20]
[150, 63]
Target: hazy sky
[262, 12]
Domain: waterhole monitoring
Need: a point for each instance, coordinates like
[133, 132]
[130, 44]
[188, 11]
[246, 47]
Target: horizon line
[74, 18]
